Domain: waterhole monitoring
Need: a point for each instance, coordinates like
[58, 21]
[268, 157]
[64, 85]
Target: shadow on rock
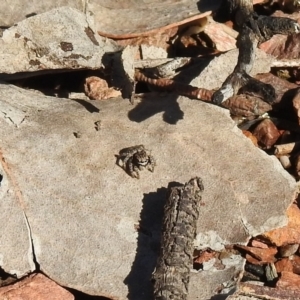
[208, 5]
[82, 296]
[155, 103]
[148, 246]
[87, 105]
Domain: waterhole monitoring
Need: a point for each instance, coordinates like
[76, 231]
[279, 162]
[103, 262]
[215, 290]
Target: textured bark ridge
[253, 30]
[171, 277]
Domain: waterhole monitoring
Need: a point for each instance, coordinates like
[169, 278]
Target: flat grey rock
[138, 17]
[133, 17]
[16, 256]
[220, 67]
[63, 38]
[14, 11]
[84, 210]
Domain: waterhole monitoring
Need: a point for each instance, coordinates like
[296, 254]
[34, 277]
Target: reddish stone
[284, 264]
[288, 280]
[296, 264]
[266, 255]
[35, 287]
[259, 244]
[205, 256]
[289, 234]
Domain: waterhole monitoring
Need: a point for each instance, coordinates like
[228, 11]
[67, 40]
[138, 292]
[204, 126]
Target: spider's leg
[151, 163]
[135, 172]
[129, 165]
[127, 159]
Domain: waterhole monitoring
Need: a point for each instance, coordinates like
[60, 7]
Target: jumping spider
[136, 158]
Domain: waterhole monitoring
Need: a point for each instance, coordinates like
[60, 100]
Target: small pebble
[271, 272]
[288, 250]
[285, 161]
[256, 270]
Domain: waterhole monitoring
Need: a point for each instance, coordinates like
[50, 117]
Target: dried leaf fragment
[172, 274]
[97, 88]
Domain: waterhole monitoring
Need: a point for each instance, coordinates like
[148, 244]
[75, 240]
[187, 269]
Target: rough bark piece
[62, 38]
[253, 30]
[284, 48]
[171, 277]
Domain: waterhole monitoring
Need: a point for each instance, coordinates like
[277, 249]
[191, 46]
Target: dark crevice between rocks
[82, 296]
[37, 266]
[59, 83]
[6, 278]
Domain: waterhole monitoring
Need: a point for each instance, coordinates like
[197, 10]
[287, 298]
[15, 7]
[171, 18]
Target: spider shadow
[154, 103]
[148, 245]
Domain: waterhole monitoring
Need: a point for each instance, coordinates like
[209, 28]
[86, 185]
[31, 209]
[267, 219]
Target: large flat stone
[16, 255]
[63, 38]
[83, 209]
[14, 11]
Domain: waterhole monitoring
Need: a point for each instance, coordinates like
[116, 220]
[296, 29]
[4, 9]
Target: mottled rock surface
[62, 38]
[96, 229]
[14, 11]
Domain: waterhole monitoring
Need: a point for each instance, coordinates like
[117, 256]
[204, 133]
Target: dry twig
[175, 87]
